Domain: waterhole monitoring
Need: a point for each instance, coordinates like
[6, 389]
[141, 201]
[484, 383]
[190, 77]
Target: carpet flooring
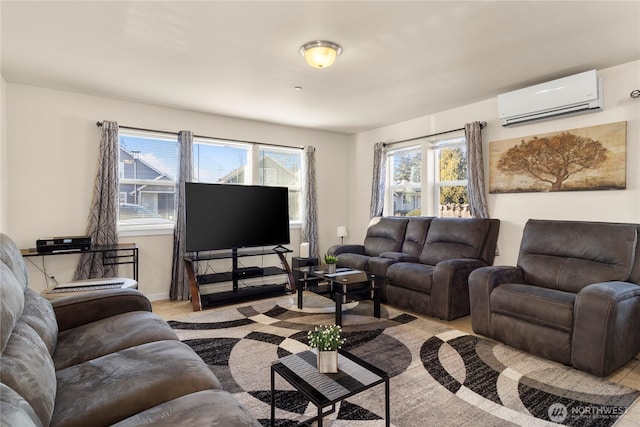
[439, 376]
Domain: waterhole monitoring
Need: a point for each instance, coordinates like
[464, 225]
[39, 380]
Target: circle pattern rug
[439, 376]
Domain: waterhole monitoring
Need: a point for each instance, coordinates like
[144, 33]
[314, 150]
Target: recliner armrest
[450, 287]
[346, 249]
[605, 327]
[77, 310]
[481, 283]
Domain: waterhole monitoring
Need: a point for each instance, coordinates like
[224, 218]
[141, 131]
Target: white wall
[3, 154]
[514, 209]
[51, 160]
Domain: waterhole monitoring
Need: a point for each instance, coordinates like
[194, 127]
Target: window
[451, 182]
[445, 186]
[148, 166]
[405, 190]
[281, 167]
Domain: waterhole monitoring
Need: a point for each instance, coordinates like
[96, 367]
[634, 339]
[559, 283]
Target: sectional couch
[425, 261]
[98, 359]
[574, 296]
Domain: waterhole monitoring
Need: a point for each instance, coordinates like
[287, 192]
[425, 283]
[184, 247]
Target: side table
[324, 390]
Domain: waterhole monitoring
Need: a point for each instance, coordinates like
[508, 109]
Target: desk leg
[273, 399]
[387, 412]
[302, 284]
[319, 416]
[338, 298]
[376, 302]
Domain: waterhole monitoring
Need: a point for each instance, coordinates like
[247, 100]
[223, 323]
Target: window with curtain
[148, 165]
[442, 191]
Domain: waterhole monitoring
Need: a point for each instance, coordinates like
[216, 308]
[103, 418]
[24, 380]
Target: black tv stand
[235, 275]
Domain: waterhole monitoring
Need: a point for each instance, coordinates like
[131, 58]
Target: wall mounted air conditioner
[577, 94]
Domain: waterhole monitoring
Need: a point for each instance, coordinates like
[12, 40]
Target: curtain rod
[99, 124]
[386, 144]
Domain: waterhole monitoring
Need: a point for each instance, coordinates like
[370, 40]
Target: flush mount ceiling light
[320, 53]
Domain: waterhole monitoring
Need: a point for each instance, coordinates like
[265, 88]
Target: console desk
[120, 254]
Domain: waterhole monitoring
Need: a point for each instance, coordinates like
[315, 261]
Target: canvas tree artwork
[592, 158]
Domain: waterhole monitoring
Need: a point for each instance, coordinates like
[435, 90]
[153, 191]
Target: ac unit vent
[577, 94]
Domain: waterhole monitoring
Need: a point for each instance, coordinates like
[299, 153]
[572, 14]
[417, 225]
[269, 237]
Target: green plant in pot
[331, 261]
[327, 339]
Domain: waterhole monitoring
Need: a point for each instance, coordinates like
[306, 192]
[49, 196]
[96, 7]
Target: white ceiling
[401, 60]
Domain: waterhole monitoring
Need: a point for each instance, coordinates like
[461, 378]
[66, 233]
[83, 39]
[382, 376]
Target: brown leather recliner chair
[574, 296]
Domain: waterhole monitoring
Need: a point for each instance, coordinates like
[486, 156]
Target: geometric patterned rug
[439, 376]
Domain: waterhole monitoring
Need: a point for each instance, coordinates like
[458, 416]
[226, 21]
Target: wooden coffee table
[324, 390]
[345, 283]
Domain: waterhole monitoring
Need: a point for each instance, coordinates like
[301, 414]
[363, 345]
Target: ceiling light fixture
[320, 53]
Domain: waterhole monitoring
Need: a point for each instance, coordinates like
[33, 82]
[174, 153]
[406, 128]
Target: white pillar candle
[304, 250]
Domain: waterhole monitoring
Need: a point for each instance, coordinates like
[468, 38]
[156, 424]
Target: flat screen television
[229, 216]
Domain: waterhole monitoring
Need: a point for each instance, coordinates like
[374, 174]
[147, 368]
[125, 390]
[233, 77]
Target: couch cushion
[379, 265]
[355, 261]
[385, 235]
[569, 255]
[38, 313]
[209, 407]
[116, 333]
[416, 235]
[417, 277]
[15, 411]
[119, 385]
[11, 303]
[454, 238]
[533, 304]
[11, 256]
[27, 368]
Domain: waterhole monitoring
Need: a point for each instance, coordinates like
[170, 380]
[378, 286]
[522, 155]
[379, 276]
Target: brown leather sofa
[574, 296]
[425, 260]
[97, 359]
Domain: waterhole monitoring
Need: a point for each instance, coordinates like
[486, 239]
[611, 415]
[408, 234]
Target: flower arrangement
[330, 259]
[326, 338]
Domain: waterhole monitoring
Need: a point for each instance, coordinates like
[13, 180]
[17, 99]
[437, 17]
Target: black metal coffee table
[324, 390]
[345, 283]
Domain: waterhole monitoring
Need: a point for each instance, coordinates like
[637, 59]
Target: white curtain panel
[310, 202]
[476, 187]
[379, 178]
[179, 280]
[103, 215]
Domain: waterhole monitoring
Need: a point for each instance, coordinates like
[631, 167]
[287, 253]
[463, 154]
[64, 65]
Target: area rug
[439, 376]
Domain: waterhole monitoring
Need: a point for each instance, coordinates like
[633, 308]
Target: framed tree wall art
[585, 159]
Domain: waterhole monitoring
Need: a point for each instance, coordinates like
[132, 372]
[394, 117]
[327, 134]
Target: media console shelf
[235, 275]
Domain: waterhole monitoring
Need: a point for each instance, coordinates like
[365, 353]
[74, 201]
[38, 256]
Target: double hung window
[429, 179]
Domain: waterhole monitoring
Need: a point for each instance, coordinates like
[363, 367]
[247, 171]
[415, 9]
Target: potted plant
[327, 339]
[331, 261]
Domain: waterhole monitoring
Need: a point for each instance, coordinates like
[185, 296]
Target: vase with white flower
[327, 339]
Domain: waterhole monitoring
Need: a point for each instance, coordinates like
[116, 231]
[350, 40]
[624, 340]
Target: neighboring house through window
[148, 170]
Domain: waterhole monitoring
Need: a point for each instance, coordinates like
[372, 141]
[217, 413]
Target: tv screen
[227, 216]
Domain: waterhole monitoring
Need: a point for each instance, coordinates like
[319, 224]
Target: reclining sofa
[98, 359]
[573, 296]
[426, 261]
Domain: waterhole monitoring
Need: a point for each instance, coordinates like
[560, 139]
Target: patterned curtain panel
[179, 280]
[103, 216]
[379, 177]
[310, 202]
[476, 188]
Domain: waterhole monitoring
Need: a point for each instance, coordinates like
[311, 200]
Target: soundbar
[69, 243]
